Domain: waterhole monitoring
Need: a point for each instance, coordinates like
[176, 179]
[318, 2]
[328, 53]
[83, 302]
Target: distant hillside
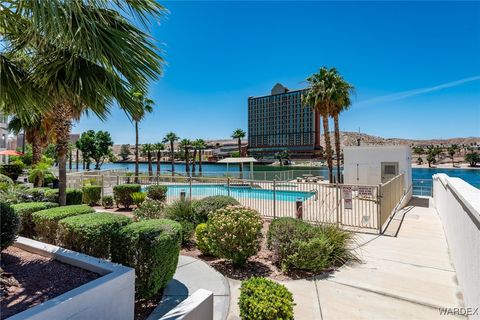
[350, 139]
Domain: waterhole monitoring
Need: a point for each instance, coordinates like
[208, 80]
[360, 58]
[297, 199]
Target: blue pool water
[239, 192]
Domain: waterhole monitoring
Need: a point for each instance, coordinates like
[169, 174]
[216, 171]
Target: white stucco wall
[458, 205]
[368, 159]
[199, 306]
[111, 296]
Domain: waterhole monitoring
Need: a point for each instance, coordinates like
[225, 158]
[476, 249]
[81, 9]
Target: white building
[373, 165]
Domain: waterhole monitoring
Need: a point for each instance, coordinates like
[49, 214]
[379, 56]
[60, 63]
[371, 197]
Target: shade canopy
[10, 153]
[238, 160]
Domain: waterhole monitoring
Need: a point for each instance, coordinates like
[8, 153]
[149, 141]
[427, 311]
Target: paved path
[406, 274]
[191, 275]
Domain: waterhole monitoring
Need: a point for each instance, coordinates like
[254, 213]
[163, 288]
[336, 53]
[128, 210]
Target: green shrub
[5, 179]
[74, 196]
[157, 192]
[234, 233]
[149, 209]
[183, 213]
[151, 247]
[25, 210]
[205, 206]
[9, 225]
[90, 233]
[91, 194]
[201, 238]
[264, 299]
[304, 246]
[13, 169]
[138, 198]
[37, 194]
[46, 221]
[122, 194]
[107, 202]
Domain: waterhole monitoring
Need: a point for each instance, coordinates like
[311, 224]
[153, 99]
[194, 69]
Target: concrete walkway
[193, 274]
[405, 274]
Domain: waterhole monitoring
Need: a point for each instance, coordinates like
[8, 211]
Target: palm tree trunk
[62, 115]
[240, 154]
[187, 162]
[158, 162]
[136, 152]
[70, 156]
[328, 147]
[172, 156]
[337, 145]
[76, 162]
[36, 150]
[194, 161]
[150, 168]
[200, 161]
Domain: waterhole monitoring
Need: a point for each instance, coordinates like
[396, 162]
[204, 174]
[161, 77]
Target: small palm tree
[158, 148]
[171, 138]
[146, 105]
[186, 144]
[239, 134]
[38, 132]
[200, 146]
[147, 149]
[196, 145]
[452, 150]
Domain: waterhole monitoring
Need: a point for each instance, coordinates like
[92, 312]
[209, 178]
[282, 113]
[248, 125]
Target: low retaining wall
[111, 296]
[199, 306]
[458, 205]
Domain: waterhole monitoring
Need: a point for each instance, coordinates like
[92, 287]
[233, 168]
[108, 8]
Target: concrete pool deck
[405, 274]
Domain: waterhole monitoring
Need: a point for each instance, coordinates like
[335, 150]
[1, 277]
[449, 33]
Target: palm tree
[38, 132]
[341, 102]
[200, 146]
[451, 152]
[320, 96]
[148, 149]
[171, 138]
[185, 144]
[158, 148]
[85, 57]
[146, 106]
[239, 134]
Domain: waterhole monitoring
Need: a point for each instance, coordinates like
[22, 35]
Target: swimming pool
[206, 190]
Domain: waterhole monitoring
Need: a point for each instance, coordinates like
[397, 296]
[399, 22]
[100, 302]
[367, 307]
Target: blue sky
[415, 66]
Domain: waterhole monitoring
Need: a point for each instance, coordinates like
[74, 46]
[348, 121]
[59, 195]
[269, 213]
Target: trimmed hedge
[74, 196]
[122, 194]
[157, 192]
[91, 195]
[46, 221]
[25, 210]
[151, 247]
[9, 225]
[264, 299]
[298, 244]
[91, 233]
[234, 233]
[205, 206]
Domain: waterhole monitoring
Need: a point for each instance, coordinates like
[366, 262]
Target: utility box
[373, 165]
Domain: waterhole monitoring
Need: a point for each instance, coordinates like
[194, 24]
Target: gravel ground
[29, 279]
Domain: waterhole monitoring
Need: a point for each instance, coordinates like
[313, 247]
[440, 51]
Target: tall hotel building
[280, 122]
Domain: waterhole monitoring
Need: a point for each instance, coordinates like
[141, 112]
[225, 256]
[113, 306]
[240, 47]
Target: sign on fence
[347, 196]
[365, 191]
